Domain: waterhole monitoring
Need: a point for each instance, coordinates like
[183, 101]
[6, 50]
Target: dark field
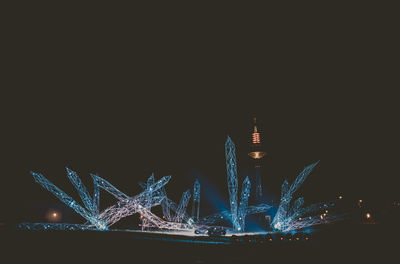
[357, 243]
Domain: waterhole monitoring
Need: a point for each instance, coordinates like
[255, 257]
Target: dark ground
[366, 243]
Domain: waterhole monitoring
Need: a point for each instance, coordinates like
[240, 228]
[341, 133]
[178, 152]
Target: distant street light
[368, 215]
[53, 216]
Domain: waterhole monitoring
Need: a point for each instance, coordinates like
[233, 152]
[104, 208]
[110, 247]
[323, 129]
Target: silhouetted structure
[256, 154]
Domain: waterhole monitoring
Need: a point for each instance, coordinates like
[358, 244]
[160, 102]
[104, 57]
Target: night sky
[127, 94]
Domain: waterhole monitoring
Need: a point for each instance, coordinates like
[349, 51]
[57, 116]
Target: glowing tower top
[255, 145]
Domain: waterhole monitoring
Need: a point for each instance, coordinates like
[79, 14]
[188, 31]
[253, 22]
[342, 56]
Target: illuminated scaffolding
[286, 196]
[149, 195]
[289, 216]
[169, 205]
[296, 216]
[244, 200]
[238, 214]
[125, 206]
[196, 201]
[179, 215]
[231, 173]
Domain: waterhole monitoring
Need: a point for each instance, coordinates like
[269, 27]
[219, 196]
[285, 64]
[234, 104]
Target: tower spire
[256, 153]
[255, 146]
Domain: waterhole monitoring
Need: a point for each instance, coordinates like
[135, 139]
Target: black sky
[124, 92]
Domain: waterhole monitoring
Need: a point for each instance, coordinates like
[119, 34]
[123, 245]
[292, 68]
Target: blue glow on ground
[190, 241]
[210, 196]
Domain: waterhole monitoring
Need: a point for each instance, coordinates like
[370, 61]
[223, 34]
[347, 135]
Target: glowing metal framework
[293, 217]
[231, 173]
[125, 206]
[289, 215]
[196, 201]
[244, 200]
[238, 215]
[182, 206]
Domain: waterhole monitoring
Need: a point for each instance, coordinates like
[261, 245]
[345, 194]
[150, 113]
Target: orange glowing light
[256, 138]
[368, 215]
[53, 216]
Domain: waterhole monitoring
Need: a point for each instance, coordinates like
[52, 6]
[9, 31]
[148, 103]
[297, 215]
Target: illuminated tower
[256, 155]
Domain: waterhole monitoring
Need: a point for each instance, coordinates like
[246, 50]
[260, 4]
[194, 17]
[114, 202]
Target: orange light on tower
[256, 137]
[255, 147]
[256, 153]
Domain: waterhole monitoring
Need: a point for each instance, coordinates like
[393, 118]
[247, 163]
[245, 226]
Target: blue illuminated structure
[231, 173]
[196, 201]
[89, 213]
[294, 217]
[179, 211]
[289, 216]
[182, 206]
[149, 195]
[226, 215]
[286, 197]
[238, 215]
[244, 201]
[125, 206]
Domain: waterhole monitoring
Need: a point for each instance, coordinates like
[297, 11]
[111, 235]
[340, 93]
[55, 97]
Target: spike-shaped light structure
[288, 217]
[101, 221]
[231, 173]
[196, 201]
[238, 215]
[282, 215]
[82, 191]
[244, 200]
[166, 206]
[166, 203]
[149, 195]
[182, 206]
[89, 214]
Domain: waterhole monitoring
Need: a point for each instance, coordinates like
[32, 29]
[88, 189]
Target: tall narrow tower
[256, 155]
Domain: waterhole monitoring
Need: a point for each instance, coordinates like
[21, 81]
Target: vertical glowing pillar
[231, 172]
[182, 206]
[148, 198]
[196, 201]
[244, 201]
